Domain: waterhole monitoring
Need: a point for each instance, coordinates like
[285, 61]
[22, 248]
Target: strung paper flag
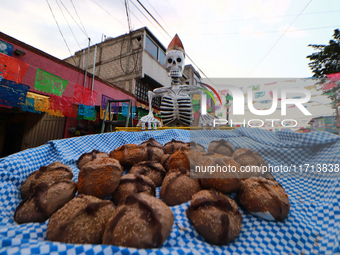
[196, 115]
[90, 118]
[333, 76]
[86, 111]
[102, 114]
[260, 94]
[49, 83]
[64, 104]
[59, 103]
[6, 48]
[82, 117]
[329, 85]
[125, 108]
[71, 112]
[265, 101]
[12, 69]
[29, 105]
[42, 104]
[84, 95]
[256, 87]
[12, 94]
[104, 101]
[114, 107]
[55, 113]
[271, 94]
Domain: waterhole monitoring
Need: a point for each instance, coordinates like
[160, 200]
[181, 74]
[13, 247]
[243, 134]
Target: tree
[327, 59]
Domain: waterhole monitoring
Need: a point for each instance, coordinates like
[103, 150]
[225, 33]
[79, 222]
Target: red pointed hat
[176, 44]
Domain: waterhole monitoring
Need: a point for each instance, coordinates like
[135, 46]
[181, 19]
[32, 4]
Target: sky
[225, 39]
[243, 38]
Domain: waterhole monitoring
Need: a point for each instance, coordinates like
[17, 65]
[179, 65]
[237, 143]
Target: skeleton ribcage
[175, 110]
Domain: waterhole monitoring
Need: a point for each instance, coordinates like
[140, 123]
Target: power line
[127, 14]
[250, 19]
[158, 14]
[67, 23]
[281, 36]
[60, 32]
[146, 18]
[132, 13]
[153, 18]
[171, 37]
[71, 17]
[79, 20]
[266, 32]
[109, 13]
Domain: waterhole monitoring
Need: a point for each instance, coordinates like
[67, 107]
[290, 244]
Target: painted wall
[38, 59]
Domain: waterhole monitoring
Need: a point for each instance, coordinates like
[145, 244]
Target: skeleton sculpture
[176, 107]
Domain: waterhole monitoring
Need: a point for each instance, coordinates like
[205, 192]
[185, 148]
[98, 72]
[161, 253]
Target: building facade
[134, 62]
[22, 128]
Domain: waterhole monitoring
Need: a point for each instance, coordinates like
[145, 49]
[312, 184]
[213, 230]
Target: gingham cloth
[312, 227]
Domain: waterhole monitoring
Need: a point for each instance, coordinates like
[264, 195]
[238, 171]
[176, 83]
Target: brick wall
[118, 60]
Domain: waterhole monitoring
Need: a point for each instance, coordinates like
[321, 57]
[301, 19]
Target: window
[141, 92]
[196, 79]
[154, 50]
[161, 57]
[151, 47]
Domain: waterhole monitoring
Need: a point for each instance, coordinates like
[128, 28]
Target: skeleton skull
[174, 63]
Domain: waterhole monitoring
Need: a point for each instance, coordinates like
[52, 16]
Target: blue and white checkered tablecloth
[312, 227]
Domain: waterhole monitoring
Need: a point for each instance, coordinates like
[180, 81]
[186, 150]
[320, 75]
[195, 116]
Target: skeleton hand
[150, 119]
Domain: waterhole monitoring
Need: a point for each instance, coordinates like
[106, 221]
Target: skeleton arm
[150, 119]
